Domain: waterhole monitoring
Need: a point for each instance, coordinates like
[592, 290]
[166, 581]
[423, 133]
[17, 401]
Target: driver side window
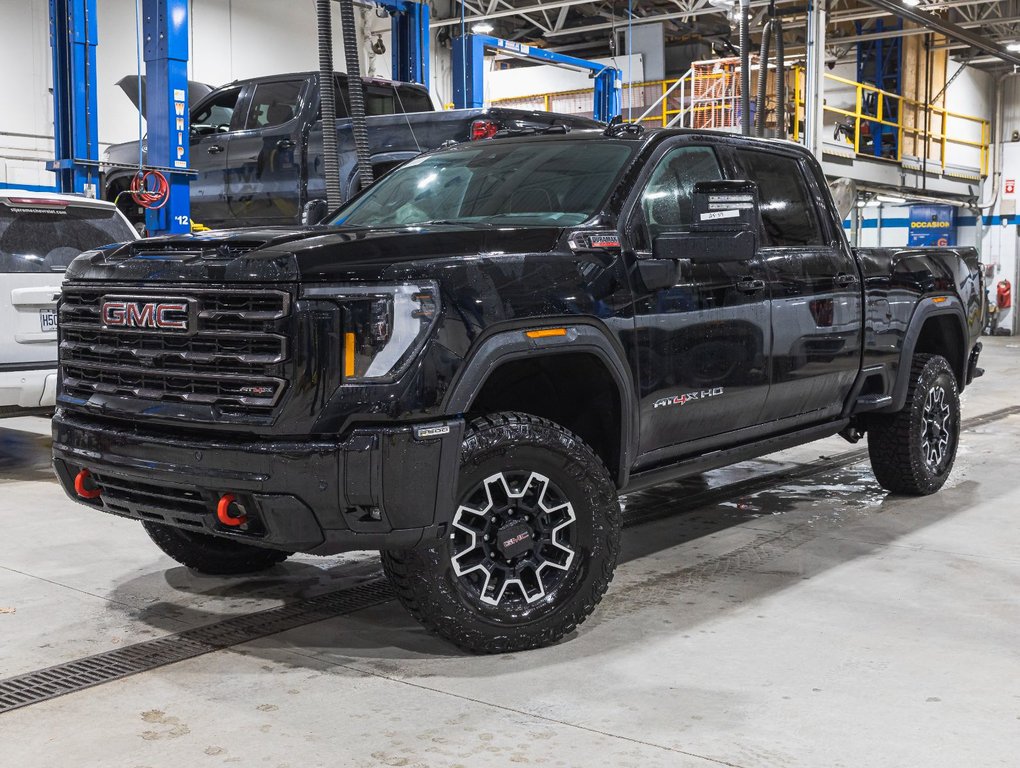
[216, 115]
[667, 201]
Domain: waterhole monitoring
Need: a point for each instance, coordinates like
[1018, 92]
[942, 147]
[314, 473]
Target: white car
[40, 233]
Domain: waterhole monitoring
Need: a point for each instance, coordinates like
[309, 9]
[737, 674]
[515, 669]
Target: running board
[867, 403]
[706, 461]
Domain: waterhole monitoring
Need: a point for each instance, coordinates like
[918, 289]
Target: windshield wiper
[460, 222]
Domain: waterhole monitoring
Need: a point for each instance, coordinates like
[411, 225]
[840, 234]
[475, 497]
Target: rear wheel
[913, 451]
[533, 543]
[210, 554]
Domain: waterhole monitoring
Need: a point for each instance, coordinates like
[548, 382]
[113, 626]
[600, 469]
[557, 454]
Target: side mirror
[706, 247]
[314, 212]
[724, 227]
[725, 206]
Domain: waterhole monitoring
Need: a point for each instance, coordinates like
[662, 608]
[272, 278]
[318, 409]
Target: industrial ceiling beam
[947, 28]
[652, 19]
[845, 16]
[890, 33]
[506, 12]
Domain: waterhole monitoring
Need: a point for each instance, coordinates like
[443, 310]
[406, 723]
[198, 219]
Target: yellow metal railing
[925, 113]
[673, 102]
[634, 95]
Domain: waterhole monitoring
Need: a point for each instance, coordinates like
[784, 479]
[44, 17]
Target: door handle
[750, 285]
[215, 149]
[284, 144]
[843, 279]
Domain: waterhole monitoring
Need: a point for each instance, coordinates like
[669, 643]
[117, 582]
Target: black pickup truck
[470, 362]
[257, 144]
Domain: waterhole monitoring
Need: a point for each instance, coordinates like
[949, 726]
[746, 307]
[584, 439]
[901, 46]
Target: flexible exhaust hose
[763, 80]
[745, 68]
[356, 93]
[327, 94]
[780, 80]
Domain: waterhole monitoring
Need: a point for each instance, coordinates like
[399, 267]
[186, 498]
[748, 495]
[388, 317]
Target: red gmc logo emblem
[163, 314]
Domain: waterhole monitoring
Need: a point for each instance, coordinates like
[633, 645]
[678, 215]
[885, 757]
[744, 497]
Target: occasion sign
[932, 225]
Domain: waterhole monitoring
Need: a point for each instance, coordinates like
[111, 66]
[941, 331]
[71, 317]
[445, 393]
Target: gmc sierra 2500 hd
[469, 362]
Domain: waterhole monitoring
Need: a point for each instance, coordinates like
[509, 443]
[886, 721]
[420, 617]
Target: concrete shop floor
[768, 620]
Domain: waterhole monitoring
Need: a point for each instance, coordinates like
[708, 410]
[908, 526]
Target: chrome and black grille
[231, 356]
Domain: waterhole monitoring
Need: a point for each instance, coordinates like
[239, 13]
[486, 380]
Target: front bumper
[373, 488]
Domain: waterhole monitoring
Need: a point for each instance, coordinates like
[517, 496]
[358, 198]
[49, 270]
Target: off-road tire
[896, 442]
[212, 555]
[514, 445]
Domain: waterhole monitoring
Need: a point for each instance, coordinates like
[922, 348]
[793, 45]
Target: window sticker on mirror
[713, 215]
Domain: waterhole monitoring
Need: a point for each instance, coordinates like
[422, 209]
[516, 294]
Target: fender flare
[925, 310]
[583, 337]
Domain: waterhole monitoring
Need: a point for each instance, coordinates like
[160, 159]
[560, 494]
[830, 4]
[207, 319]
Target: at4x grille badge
[685, 398]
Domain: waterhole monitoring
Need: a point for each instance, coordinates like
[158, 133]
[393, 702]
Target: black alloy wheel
[532, 545]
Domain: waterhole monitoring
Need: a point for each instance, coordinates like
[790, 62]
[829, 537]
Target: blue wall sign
[932, 225]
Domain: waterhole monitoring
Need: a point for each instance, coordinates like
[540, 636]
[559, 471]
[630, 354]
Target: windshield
[555, 183]
[45, 236]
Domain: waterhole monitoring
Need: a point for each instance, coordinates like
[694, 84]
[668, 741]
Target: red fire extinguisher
[1004, 294]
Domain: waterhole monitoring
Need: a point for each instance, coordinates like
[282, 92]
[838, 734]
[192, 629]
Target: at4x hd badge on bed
[703, 394]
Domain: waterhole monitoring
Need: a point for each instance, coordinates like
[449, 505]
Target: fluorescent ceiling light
[911, 3]
[892, 199]
[482, 28]
[1015, 46]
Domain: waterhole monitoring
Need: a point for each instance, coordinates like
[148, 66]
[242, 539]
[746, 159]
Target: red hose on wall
[150, 190]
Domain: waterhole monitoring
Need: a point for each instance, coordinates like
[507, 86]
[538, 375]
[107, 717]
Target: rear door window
[411, 99]
[379, 100]
[787, 210]
[274, 104]
[43, 237]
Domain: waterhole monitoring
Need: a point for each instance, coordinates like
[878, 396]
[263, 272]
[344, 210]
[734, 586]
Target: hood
[314, 254]
[129, 84]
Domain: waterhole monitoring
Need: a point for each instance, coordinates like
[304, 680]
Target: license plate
[48, 320]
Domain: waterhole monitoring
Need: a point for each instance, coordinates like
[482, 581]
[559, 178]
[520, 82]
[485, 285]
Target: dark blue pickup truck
[257, 144]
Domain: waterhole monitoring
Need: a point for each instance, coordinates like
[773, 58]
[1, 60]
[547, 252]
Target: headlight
[384, 328]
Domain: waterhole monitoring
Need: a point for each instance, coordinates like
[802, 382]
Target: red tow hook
[85, 486]
[227, 500]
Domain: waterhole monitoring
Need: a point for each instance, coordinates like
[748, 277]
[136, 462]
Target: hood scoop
[188, 251]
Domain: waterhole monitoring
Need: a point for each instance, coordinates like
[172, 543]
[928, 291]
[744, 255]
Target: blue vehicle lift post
[469, 69]
[409, 40]
[75, 114]
[167, 116]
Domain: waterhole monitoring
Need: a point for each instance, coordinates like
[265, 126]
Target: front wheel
[210, 554]
[913, 451]
[532, 546]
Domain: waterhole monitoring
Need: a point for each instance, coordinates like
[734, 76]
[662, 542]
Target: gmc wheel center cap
[514, 539]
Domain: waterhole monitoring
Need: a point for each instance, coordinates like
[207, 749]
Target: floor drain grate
[36, 687]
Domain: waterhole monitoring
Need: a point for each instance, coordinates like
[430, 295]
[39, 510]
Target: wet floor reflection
[24, 456]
